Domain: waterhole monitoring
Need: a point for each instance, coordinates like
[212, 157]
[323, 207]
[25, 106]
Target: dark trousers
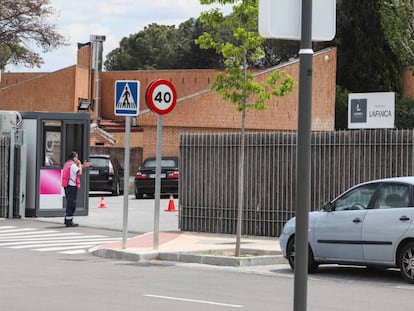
[71, 193]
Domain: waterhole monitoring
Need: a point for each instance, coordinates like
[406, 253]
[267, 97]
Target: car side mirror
[328, 206]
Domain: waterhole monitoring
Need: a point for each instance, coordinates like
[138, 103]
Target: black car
[145, 177]
[106, 174]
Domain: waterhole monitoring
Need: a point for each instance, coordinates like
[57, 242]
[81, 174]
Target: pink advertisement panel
[50, 181]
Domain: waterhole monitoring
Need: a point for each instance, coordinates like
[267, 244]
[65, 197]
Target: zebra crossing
[50, 240]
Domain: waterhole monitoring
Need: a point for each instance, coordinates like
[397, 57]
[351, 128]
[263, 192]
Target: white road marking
[42, 237]
[50, 240]
[31, 233]
[195, 301]
[56, 249]
[74, 252]
[57, 242]
[17, 230]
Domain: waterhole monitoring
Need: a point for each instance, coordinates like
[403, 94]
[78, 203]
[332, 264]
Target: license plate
[93, 172]
[154, 175]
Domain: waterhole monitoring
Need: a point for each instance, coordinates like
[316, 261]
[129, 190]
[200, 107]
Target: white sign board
[282, 19]
[371, 110]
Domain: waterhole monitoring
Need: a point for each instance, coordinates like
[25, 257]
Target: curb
[258, 259]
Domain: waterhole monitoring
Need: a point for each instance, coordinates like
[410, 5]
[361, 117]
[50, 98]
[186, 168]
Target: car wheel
[290, 251]
[406, 262]
[117, 190]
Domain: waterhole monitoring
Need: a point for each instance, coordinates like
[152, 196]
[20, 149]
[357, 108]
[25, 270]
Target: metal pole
[241, 168]
[303, 158]
[11, 173]
[126, 180]
[157, 184]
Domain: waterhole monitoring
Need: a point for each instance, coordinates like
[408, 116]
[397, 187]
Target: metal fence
[209, 174]
[4, 174]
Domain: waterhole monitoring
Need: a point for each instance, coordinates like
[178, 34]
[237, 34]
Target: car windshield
[164, 163]
[99, 162]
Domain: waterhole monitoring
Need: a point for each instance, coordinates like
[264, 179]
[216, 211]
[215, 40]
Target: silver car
[370, 225]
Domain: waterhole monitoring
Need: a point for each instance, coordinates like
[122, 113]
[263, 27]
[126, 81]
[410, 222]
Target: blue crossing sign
[126, 98]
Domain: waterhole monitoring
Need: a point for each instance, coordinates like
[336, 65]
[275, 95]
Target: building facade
[198, 109]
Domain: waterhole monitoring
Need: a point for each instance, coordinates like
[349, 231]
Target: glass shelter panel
[52, 147]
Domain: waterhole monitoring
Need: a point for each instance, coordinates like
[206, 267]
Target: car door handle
[356, 220]
[404, 218]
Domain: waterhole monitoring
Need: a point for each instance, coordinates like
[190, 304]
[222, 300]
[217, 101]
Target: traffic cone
[102, 205]
[171, 205]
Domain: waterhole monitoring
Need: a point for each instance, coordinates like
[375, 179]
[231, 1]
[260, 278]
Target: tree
[236, 84]
[396, 19]
[375, 41]
[163, 47]
[366, 60]
[404, 113]
[152, 48]
[22, 23]
[142, 50]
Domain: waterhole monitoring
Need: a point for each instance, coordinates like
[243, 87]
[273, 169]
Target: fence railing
[4, 174]
[209, 174]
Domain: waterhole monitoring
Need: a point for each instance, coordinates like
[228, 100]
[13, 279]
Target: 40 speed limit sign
[161, 96]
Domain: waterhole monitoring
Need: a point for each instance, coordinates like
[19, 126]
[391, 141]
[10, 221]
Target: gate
[12, 166]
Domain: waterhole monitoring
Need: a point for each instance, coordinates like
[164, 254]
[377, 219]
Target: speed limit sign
[161, 96]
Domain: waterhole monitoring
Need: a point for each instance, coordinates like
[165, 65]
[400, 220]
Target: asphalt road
[53, 281]
[140, 214]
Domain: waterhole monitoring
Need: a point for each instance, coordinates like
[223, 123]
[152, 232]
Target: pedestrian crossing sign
[126, 98]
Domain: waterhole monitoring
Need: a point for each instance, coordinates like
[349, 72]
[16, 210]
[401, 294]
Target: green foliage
[366, 60]
[142, 50]
[163, 47]
[236, 84]
[396, 18]
[341, 108]
[23, 24]
[404, 113]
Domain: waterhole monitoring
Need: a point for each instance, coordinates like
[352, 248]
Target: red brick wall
[186, 82]
[55, 92]
[59, 91]
[85, 56]
[10, 78]
[208, 112]
[407, 89]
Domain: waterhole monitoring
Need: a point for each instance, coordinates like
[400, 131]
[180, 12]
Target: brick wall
[407, 89]
[197, 109]
[84, 56]
[10, 78]
[186, 82]
[208, 112]
[54, 92]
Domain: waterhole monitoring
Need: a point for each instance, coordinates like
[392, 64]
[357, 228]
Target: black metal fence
[4, 174]
[209, 174]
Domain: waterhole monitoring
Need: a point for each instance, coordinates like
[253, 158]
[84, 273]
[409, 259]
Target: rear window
[164, 163]
[99, 162]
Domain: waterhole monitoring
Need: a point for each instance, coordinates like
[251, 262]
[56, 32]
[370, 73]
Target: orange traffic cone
[171, 205]
[102, 205]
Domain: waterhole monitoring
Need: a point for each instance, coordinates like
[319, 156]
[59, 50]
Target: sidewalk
[190, 247]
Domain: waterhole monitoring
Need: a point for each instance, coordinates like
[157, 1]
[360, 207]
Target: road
[59, 279]
[54, 281]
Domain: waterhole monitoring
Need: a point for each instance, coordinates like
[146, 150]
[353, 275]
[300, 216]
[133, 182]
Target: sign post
[294, 20]
[161, 98]
[126, 104]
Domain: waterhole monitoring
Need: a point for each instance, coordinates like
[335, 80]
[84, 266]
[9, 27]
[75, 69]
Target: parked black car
[106, 174]
[145, 177]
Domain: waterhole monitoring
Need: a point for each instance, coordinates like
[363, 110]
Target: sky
[76, 20]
